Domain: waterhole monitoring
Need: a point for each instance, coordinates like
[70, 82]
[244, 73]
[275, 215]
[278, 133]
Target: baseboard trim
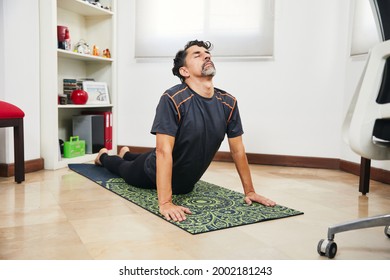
[8, 169]
[377, 174]
[283, 160]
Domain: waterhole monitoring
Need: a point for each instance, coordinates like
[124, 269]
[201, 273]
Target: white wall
[1, 48]
[19, 72]
[291, 105]
[2, 71]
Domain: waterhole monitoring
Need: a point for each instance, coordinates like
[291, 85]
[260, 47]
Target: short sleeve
[234, 126]
[166, 118]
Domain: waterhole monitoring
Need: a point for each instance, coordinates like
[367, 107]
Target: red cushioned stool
[12, 116]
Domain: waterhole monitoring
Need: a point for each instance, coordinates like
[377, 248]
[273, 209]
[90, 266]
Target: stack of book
[69, 86]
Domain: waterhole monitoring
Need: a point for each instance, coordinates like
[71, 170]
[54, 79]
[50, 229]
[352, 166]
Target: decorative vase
[79, 97]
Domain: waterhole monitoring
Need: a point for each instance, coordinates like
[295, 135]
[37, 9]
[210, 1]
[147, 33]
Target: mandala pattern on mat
[212, 207]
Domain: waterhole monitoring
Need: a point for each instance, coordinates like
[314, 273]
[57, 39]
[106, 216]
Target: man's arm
[164, 147]
[237, 151]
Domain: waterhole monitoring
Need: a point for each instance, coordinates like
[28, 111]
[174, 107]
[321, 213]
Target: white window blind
[364, 30]
[236, 28]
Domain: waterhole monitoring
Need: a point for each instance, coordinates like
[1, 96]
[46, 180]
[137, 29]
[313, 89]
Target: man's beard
[209, 71]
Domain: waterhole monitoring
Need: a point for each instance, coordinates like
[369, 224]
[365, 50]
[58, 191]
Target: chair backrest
[368, 109]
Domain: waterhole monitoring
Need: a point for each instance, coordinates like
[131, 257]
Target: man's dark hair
[181, 55]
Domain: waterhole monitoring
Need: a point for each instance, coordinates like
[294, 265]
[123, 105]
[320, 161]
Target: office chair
[367, 131]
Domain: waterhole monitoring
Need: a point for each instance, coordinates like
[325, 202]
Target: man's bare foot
[123, 151]
[97, 159]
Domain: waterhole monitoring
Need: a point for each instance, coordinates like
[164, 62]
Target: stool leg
[19, 152]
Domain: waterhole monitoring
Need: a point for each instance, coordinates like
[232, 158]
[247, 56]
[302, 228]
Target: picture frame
[97, 93]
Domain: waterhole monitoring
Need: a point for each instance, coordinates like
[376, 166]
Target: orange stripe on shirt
[178, 105]
[227, 104]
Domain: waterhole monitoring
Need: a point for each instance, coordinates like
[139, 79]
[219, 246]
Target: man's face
[198, 62]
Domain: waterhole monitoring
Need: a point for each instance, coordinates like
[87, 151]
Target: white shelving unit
[94, 25]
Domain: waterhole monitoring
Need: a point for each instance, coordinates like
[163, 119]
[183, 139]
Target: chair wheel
[387, 231]
[327, 248]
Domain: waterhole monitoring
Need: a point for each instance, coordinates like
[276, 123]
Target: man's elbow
[239, 153]
[163, 152]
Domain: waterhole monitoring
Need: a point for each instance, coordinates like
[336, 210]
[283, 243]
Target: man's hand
[254, 197]
[173, 212]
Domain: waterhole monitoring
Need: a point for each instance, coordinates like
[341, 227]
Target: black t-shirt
[199, 126]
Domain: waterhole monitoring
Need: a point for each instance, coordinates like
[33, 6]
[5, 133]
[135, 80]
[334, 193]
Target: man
[191, 121]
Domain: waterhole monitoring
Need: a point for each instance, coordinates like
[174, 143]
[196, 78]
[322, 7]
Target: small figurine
[95, 50]
[106, 53]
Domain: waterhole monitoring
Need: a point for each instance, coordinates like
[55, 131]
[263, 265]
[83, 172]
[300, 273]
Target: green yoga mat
[213, 207]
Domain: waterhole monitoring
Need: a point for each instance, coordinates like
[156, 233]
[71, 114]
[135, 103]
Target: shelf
[81, 159]
[82, 57]
[87, 158]
[93, 24]
[70, 106]
[83, 8]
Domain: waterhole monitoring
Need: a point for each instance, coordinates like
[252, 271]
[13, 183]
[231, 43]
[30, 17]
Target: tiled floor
[62, 215]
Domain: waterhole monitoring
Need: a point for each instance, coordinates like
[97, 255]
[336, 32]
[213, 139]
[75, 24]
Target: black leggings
[130, 168]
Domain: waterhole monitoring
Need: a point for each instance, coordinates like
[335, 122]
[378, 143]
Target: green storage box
[74, 147]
